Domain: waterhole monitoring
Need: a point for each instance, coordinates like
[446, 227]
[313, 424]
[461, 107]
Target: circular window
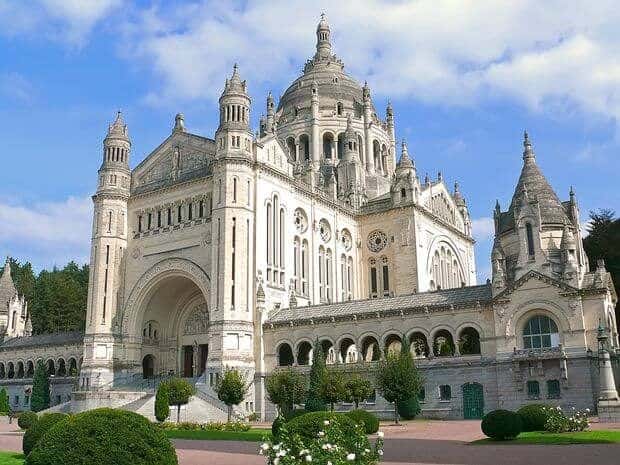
[377, 240]
[325, 230]
[301, 220]
[345, 238]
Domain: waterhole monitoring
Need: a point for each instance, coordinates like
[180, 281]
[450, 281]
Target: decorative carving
[325, 230]
[574, 306]
[301, 220]
[198, 320]
[136, 253]
[346, 239]
[377, 240]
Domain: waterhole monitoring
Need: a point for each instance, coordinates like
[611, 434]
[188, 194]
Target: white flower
[366, 450]
[308, 458]
[276, 447]
[587, 410]
[350, 457]
[329, 462]
[276, 461]
[380, 452]
[264, 446]
[380, 434]
[321, 434]
[326, 422]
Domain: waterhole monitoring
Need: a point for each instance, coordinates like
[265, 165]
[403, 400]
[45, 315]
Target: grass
[254, 434]
[543, 437]
[11, 458]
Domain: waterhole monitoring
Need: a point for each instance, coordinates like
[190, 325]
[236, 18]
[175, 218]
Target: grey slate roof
[7, 288]
[457, 297]
[551, 209]
[53, 339]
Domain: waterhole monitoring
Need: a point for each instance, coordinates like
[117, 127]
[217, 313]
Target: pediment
[181, 156]
[532, 280]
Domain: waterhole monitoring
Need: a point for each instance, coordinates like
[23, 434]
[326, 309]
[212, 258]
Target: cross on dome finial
[528, 152]
[323, 44]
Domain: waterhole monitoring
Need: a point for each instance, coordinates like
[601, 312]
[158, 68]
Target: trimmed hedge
[534, 417]
[502, 424]
[308, 426]
[408, 409]
[27, 419]
[367, 419]
[277, 425]
[104, 437]
[39, 428]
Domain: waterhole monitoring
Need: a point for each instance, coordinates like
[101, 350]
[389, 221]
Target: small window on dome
[339, 105]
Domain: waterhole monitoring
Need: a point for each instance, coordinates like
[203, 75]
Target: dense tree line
[603, 242]
[56, 299]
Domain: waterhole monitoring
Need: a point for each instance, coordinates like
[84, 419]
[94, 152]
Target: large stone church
[241, 250]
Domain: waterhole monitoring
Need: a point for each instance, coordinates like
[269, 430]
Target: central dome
[325, 70]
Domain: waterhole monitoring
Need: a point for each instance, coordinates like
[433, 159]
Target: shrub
[331, 445]
[40, 398]
[4, 402]
[534, 417]
[559, 422]
[308, 425]
[27, 419]
[277, 425]
[332, 387]
[104, 437]
[367, 419]
[409, 408]
[318, 369]
[231, 389]
[357, 389]
[179, 392]
[296, 413]
[501, 424]
[162, 403]
[39, 428]
[285, 388]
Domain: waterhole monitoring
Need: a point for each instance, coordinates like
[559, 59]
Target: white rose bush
[329, 447]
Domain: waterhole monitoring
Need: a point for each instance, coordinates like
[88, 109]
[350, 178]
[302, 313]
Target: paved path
[415, 443]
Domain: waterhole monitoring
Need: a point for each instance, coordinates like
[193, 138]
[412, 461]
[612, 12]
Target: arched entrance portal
[148, 366]
[173, 324]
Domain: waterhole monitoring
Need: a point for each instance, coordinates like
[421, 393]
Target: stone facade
[242, 249]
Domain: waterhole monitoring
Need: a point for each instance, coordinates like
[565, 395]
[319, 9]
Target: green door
[473, 401]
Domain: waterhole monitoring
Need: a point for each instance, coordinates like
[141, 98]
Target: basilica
[242, 249]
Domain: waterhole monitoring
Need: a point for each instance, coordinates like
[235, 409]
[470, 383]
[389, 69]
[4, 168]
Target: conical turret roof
[7, 287]
[533, 183]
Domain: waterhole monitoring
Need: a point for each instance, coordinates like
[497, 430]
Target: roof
[538, 188]
[7, 288]
[457, 297]
[52, 339]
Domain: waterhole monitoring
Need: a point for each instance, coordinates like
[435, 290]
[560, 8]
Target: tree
[179, 392]
[40, 399]
[398, 378]
[332, 387]
[285, 388]
[602, 243]
[4, 402]
[162, 403]
[231, 389]
[357, 389]
[315, 402]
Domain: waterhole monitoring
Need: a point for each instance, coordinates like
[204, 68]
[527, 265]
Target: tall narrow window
[304, 267]
[321, 271]
[248, 192]
[190, 211]
[159, 218]
[148, 222]
[169, 216]
[282, 222]
[296, 271]
[139, 223]
[235, 190]
[530, 239]
[328, 275]
[201, 209]
[373, 279]
[350, 278]
[180, 214]
[233, 270]
[386, 280]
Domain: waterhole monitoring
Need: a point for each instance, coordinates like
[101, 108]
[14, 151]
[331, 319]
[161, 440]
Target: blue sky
[465, 78]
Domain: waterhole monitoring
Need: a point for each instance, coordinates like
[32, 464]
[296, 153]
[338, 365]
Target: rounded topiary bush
[27, 419]
[39, 428]
[534, 417]
[362, 417]
[502, 424]
[308, 425]
[104, 437]
[408, 409]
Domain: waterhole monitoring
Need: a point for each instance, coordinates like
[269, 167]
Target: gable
[534, 280]
[180, 157]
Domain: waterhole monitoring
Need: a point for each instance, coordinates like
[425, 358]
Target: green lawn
[542, 437]
[254, 434]
[11, 458]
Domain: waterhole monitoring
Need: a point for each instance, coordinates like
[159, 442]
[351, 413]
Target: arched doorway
[473, 401]
[148, 366]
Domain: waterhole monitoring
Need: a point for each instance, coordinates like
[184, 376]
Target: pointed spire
[458, 197]
[389, 111]
[528, 152]
[118, 128]
[405, 161]
[7, 287]
[235, 84]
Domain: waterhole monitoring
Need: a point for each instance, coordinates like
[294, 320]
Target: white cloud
[56, 231]
[441, 51]
[483, 228]
[70, 21]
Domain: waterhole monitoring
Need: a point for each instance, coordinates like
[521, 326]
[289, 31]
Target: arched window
[234, 190]
[290, 145]
[296, 263]
[444, 269]
[350, 278]
[443, 344]
[321, 273]
[469, 342]
[285, 355]
[329, 266]
[418, 345]
[304, 147]
[328, 144]
[340, 147]
[275, 242]
[304, 353]
[304, 267]
[339, 108]
[370, 349]
[530, 239]
[539, 332]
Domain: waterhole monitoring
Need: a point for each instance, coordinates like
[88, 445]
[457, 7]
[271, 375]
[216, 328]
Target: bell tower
[108, 246]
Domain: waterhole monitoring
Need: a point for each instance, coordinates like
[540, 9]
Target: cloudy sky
[465, 77]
